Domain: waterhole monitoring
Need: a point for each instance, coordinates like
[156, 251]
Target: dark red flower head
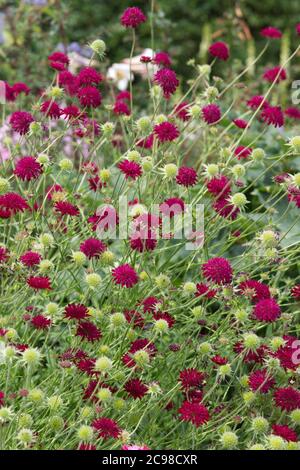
[76, 311]
[130, 169]
[106, 428]
[162, 59]
[285, 432]
[132, 17]
[211, 113]
[30, 258]
[89, 76]
[220, 50]
[167, 80]
[186, 176]
[135, 388]
[196, 413]
[166, 131]
[89, 96]
[40, 322]
[87, 330]
[267, 310]
[28, 168]
[271, 32]
[66, 208]
[273, 115]
[125, 275]
[20, 121]
[191, 378]
[288, 399]
[217, 270]
[92, 247]
[39, 282]
[259, 380]
[276, 74]
[13, 203]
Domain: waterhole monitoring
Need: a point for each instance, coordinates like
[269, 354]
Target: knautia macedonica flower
[132, 17]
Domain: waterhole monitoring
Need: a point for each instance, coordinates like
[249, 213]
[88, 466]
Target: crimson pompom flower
[219, 186]
[285, 432]
[19, 88]
[295, 292]
[3, 254]
[288, 398]
[167, 80]
[276, 74]
[286, 353]
[40, 322]
[106, 428]
[190, 378]
[87, 330]
[149, 304]
[123, 95]
[68, 81]
[13, 203]
[166, 131]
[271, 32]
[240, 123]
[121, 108]
[59, 57]
[136, 388]
[66, 208]
[292, 112]
[20, 121]
[267, 310]
[50, 109]
[162, 59]
[125, 276]
[76, 311]
[28, 168]
[92, 247]
[211, 113]
[132, 17]
[141, 244]
[257, 101]
[298, 29]
[217, 270]
[39, 282]
[30, 258]
[89, 76]
[89, 96]
[196, 413]
[172, 206]
[130, 169]
[242, 152]
[273, 115]
[220, 50]
[147, 142]
[225, 209]
[259, 380]
[182, 111]
[204, 291]
[186, 176]
[72, 112]
[255, 290]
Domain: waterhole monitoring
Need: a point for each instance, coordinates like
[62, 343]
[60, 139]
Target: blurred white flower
[120, 74]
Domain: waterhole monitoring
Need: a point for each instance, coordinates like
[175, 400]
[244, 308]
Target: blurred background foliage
[31, 29]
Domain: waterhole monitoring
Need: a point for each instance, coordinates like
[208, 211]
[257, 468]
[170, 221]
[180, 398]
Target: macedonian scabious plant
[149, 257]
